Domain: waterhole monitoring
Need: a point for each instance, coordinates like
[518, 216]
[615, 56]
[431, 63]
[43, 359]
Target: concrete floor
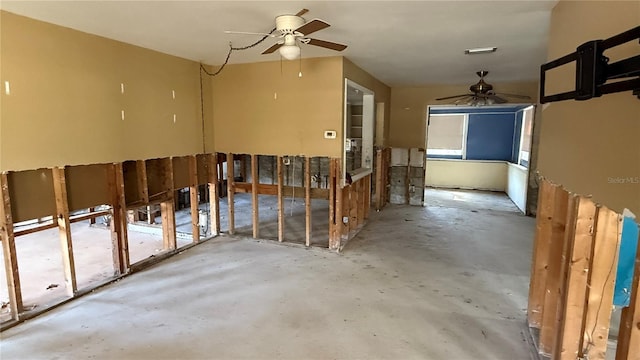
[447, 281]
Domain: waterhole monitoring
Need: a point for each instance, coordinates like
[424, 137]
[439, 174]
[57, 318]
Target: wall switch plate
[330, 134]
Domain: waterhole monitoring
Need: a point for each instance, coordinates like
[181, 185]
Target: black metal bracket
[593, 70]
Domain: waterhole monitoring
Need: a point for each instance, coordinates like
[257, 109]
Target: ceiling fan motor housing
[287, 24]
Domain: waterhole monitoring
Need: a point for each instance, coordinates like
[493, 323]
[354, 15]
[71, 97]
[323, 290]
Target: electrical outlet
[345, 219]
[330, 134]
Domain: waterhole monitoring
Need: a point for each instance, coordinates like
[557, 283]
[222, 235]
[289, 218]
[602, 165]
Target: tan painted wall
[467, 174]
[382, 95]
[409, 107]
[584, 145]
[261, 108]
[65, 102]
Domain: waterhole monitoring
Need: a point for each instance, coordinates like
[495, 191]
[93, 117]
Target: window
[525, 137]
[446, 135]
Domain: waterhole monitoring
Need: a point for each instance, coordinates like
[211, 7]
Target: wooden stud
[167, 210]
[119, 235]
[332, 201]
[193, 198]
[231, 193]
[339, 207]
[553, 268]
[307, 199]
[9, 249]
[629, 333]
[64, 229]
[540, 253]
[92, 220]
[601, 283]
[347, 208]
[280, 200]
[214, 194]
[141, 177]
[255, 206]
[572, 316]
[367, 193]
[362, 185]
[565, 258]
[379, 183]
[407, 179]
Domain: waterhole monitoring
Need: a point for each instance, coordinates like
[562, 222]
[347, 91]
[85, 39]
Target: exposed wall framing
[571, 289]
[382, 180]
[58, 197]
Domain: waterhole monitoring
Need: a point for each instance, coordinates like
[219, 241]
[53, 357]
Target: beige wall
[261, 108]
[382, 95]
[467, 174]
[585, 143]
[65, 102]
[409, 107]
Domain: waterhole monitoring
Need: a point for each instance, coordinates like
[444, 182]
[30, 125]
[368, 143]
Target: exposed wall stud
[214, 197]
[119, 235]
[540, 253]
[553, 269]
[9, 249]
[601, 284]
[280, 200]
[254, 196]
[168, 209]
[64, 228]
[231, 192]
[307, 200]
[573, 311]
[193, 198]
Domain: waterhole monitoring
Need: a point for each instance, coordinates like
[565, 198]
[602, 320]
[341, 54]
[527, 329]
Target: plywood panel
[87, 186]
[31, 194]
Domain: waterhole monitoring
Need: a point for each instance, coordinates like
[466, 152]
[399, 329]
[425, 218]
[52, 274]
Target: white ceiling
[399, 42]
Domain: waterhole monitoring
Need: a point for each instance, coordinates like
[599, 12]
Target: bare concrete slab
[439, 282]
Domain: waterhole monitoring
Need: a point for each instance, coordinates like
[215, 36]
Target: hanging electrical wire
[232, 49]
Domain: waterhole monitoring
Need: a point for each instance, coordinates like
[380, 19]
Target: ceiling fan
[293, 30]
[482, 94]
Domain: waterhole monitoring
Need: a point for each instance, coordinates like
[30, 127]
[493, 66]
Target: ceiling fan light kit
[482, 94]
[293, 30]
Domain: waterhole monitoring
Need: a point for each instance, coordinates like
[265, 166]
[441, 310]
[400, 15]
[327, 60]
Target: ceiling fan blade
[515, 96]
[249, 33]
[497, 99]
[312, 26]
[273, 48]
[327, 44]
[466, 98]
[454, 96]
[302, 12]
